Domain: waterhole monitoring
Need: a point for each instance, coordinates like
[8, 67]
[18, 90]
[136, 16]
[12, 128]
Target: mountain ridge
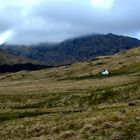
[74, 50]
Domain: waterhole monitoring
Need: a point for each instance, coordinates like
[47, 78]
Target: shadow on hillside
[19, 67]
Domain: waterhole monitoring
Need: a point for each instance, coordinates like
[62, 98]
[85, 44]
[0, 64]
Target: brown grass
[73, 102]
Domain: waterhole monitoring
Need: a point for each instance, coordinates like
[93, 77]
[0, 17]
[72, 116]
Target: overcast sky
[36, 21]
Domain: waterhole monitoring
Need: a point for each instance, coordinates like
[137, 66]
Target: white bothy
[105, 72]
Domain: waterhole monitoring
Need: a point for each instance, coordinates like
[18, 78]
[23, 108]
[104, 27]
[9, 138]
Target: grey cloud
[122, 18]
[56, 20]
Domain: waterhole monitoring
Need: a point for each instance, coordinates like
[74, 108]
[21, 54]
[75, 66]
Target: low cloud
[35, 21]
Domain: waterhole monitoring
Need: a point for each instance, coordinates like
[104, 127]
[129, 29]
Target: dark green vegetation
[73, 102]
[19, 67]
[74, 50]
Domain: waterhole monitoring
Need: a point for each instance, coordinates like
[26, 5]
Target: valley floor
[72, 102]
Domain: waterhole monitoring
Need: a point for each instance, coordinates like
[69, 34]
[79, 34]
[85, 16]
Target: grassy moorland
[73, 102]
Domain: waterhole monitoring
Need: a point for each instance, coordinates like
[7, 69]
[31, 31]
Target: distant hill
[10, 59]
[12, 63]
[74, 50]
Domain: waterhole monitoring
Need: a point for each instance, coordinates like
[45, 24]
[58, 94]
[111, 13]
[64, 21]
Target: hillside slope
[9, 59]
[74, 50]
[13, 63]
[74, 102]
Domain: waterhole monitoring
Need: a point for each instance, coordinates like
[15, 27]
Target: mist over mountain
[74, 50]
[35, 21]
